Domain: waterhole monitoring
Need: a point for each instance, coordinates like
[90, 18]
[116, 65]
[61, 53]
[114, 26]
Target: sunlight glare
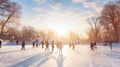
[61, 31]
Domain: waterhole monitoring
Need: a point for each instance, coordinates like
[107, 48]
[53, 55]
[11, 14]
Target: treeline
[106, 26]
[28, 33]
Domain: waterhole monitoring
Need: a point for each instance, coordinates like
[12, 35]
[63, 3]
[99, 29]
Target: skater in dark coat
[0, 43]
[47, 45]
[110, 44]
[42, 44]
[17, 42]
[92, 46]
[23, 46]
[52, 45]
[33, 43]
[36, 42]
[95, 45]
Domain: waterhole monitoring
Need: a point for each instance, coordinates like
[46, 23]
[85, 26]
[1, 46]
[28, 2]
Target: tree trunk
[116, 36]
[2, 29]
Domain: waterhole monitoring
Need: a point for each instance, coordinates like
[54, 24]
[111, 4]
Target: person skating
[52, 45]
[36, 42]
[59, 44]
[73, 46]
[0, 43]
[95, 45]
[110, 44]
[17, 42]
[70, 44]
[60, 47]
[42, 44]
[23, 46]
[33, 44]
[47, 46]
[92, 46]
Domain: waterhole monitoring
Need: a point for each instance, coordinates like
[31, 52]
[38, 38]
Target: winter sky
[65, 14]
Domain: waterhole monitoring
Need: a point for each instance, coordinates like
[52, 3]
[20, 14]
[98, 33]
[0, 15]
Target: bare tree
[109, 19]
[94, 29]
[13, 32]
[9, 12]
[107, 31]
[27, 33]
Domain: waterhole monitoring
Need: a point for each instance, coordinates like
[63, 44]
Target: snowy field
[12, 56]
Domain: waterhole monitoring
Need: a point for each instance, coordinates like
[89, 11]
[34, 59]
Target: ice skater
[110, 44]
[42, 44]
[33, 44]
[95, 45]
[17, 42]
[92, 46]
[59, 44]
[0, 43]
[70, 44]
[47, 45]
[36, 42]
[23, 46]
[52, 45]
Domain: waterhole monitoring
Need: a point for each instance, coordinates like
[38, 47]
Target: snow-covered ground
[12, 56]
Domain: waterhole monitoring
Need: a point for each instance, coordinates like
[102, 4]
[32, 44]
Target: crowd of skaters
[45, 44]
[93, 45]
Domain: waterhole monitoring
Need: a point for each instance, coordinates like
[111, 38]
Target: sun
[61, 31]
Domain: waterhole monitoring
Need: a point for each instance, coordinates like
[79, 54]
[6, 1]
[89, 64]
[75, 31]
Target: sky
[59, 14]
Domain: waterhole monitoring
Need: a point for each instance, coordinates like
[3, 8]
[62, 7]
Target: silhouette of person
[110, 44]
[17, 42]
[33, 43]
[70, 44]
[92, 46]
[0, 43]
[95, 45]
[23, 46]
[36, 43]
[52, 45]
[59, 46]
[47, 45]
[42, 44]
